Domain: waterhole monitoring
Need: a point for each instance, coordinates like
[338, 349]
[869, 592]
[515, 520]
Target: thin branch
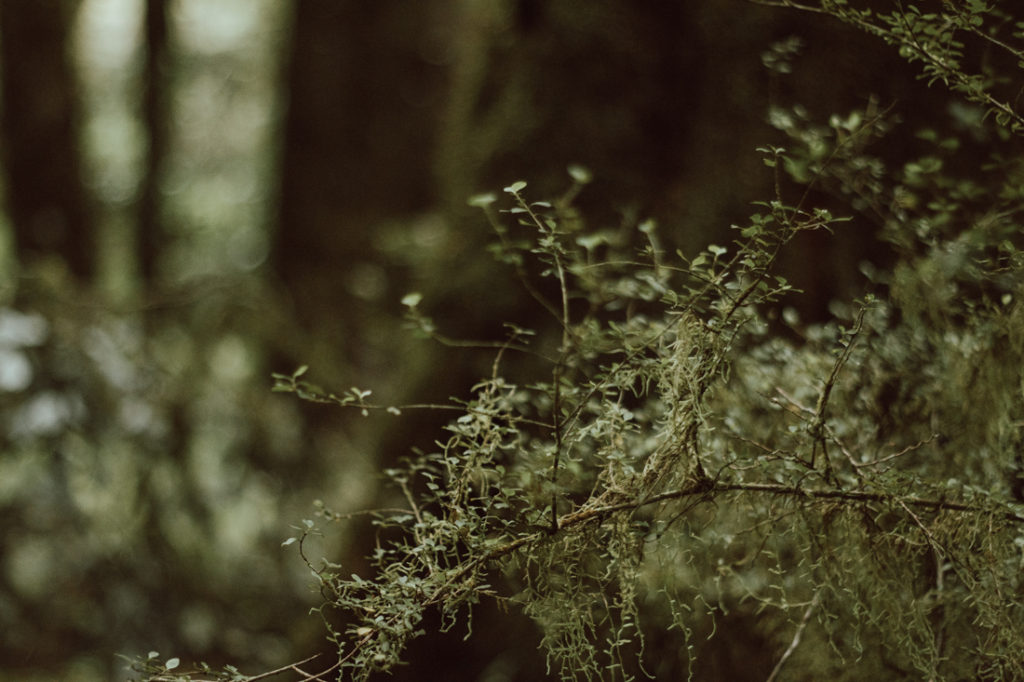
[556, 419]
[712, 488]
[521, 273]
[796, 638]
[310, 394]
[819, 421]
[294, 667]
[559, 269]
[938, 553]
[706, 489]
[567, 338]
[290, 667]
[788, 4]
[909, 448]
[834, 437]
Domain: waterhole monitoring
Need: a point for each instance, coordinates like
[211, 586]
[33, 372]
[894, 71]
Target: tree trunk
[155, 117]
[45, 198]
[357, 148]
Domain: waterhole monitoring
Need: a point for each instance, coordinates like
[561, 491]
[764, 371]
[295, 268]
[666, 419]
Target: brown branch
[909, 448]
[815, 493]
[707, 488]
[290, 667]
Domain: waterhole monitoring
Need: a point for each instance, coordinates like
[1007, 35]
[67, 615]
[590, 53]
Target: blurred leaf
[580, 174]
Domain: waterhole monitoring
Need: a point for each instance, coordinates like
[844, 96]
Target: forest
[511, 340]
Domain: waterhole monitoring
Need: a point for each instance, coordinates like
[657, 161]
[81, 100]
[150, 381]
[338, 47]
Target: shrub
[692, 454]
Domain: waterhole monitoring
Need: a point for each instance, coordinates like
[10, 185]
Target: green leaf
[412, 300]
[516, 187]
[580, 174]
[591, 241]
[482, 200]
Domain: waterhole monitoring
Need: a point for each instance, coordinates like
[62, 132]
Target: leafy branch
[931, 40]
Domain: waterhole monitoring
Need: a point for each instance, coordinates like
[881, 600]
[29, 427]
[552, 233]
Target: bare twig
[796, 639]
[887, 458]
[819, 422]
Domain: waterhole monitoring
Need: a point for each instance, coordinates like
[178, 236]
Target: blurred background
[197, 193]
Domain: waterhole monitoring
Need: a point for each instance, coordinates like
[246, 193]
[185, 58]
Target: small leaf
[482, 200]
[300, 371]
[580, 174]
[172, 663]
[412, 300]
[516, 187]
[591, 241]
[288, 542]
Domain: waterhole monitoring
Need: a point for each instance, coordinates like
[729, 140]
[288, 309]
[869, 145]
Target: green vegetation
[736, 396]
[676, 449]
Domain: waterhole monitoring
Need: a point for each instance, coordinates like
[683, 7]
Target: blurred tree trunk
[612, 85]
[45, 197]
[358, 137]
[155, 117]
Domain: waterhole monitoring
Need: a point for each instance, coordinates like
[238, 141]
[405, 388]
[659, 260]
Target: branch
[815, 493]
[796, 639]
[290, 667]
[596, 511]
[788, 4]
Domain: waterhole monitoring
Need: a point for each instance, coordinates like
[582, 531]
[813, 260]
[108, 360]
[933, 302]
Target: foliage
[963, 45]
[690, 451]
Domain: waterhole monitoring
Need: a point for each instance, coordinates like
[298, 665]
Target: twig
[909, 448]
[819, 422]
[706, 489]
[711, 488]
[788, 4]
[938, 554]
[796, 639]
[556, 419]
[308, 677]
